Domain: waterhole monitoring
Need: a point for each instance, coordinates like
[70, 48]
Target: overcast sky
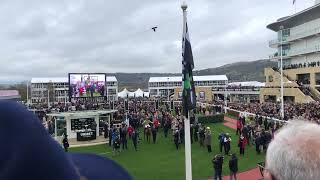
[40, 38]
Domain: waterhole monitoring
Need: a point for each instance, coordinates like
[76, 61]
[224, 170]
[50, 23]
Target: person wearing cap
[207, 140]
[65, 143]
[40, 157]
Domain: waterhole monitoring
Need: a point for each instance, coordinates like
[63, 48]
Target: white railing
[315, 48]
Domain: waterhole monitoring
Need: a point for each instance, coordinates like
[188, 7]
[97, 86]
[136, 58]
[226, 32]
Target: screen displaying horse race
[87, 85]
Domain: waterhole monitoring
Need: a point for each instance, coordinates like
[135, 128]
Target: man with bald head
[294, 154]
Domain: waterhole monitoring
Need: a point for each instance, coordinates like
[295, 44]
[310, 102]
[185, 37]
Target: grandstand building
[240, 92]
[171, 86]
[59, 89]
[301, 58]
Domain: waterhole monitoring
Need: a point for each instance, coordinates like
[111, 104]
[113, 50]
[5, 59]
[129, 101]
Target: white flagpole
[187, 141]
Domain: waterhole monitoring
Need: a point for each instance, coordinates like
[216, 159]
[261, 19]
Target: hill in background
[240, 71]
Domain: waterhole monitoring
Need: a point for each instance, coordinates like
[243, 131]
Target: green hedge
[233, 113]
[211, 118]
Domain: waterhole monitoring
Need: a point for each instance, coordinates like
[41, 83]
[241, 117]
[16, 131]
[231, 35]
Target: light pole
[281, 72]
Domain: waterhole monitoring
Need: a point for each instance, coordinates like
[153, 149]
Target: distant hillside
[240, 71]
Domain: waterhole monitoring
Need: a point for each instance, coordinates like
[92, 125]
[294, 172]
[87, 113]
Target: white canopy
[124, 93]
[138, 93]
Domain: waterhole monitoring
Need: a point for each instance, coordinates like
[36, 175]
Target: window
[270, 78]
[202, 95]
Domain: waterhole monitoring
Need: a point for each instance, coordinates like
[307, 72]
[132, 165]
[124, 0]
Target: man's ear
[267, 175]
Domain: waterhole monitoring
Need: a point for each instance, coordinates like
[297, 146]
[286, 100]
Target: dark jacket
[217, 163]
[233, 164]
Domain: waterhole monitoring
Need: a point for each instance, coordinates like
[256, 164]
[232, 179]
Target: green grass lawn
[161, 161]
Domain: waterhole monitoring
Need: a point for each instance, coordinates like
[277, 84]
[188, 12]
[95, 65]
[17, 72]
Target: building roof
[63, 79]
[195, 78]
[297, 19]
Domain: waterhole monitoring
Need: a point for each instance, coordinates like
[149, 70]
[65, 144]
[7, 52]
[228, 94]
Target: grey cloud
[52, 38]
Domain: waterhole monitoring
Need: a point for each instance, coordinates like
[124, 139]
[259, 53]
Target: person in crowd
[65, 143]
[245, 132]
[191, 133]
[217, 165]
[111, 130]
[176, 138]
[135, 138]
[105, 130]
[227, 142]
[196, 132]
[166, 128]
[181, 133]
[201, 135]
[221, 141]
[233, 166]
[148, 133]
[265, 123]
[130, 131]
[294, 152]
[146, 124]
[239, 127]
[242, 144]
[123, 136]
[154, 134]
[207, 140]
[258, 143]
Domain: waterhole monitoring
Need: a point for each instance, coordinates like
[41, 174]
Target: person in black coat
[123, 137]
[258, 143]
[154, 134]
[266, 124]
[176, 139]
[217, 165]
[233, 166]
[135, 137]
[195, 132]
[65, 143]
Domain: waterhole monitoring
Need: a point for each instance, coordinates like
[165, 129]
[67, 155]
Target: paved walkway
[253, 174]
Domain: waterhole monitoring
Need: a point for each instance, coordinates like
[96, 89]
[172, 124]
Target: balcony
[298, 52]
[294, 37]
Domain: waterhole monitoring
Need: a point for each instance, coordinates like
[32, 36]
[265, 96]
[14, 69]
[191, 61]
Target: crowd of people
[144, 119]
[307, 111]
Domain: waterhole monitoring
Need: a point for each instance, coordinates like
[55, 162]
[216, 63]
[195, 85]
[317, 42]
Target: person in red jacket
[242, 144]
[239, 127]
[130, 131]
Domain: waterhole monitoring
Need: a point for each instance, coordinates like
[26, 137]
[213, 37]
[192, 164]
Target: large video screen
[87, 85]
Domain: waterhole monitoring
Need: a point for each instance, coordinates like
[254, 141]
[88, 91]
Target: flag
[294, 1]
[188, 92]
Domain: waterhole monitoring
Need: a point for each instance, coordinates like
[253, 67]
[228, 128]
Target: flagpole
[187, 141]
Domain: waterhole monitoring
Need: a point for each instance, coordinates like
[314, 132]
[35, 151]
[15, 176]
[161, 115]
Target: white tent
[146, 94]
[139, 93]
[124, 93]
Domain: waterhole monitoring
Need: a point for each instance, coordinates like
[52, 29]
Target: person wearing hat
[207, 140]
[65, 143]
[40, 157]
